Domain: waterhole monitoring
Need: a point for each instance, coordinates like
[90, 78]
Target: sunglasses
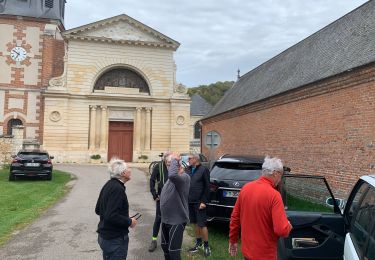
[136, 216]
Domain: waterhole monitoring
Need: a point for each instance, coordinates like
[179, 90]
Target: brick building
[313, 105]
[31, 52]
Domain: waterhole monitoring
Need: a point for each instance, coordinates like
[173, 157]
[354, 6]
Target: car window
[31, 155]
[305, 194]
[363, 221]
[236, 171]
[370, 254]
[359, 191]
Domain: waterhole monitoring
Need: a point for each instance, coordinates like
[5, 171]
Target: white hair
[196, 156]
[116, 167]
[271, 164]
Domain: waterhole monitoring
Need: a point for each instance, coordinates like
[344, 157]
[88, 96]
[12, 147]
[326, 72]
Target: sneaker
[153, 246]
[207, 251]
[194, 249]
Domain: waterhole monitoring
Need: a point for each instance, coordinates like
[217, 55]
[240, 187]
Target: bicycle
[154, 163]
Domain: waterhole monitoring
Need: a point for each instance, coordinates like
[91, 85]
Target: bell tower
[31, 53]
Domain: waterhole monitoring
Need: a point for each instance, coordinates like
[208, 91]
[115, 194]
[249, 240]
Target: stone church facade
[117, 96]
[105, 88]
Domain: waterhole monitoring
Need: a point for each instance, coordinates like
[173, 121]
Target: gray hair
[270, 165]
[196, 156]
[116, 167]
[166, 155]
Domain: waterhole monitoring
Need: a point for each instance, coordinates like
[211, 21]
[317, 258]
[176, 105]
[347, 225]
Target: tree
[213, 92]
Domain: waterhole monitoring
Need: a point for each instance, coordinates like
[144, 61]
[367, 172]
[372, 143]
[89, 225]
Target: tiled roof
[199, 106]
[347, 43]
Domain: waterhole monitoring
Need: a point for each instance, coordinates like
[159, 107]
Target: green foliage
[22, 201]
[218, 240]
[95, 156]
[213, 92]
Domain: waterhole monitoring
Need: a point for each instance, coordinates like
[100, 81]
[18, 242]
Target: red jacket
[259, 211]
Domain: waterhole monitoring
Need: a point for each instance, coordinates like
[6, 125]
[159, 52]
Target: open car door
[318, 228]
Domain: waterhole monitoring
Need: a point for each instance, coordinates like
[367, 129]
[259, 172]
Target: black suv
[228, 175]
[31, 163]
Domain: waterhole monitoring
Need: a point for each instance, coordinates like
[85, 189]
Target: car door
[318, 229]
[359, 215]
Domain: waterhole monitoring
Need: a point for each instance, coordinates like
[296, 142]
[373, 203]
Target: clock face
[18, 54]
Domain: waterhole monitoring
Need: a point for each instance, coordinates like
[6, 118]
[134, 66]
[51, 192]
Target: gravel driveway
[67, 230]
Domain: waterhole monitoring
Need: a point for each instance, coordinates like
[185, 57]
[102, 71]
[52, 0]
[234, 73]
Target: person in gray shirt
[174, 208]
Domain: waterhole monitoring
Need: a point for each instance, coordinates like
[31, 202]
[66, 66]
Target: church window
[12, 123]
[197, 130]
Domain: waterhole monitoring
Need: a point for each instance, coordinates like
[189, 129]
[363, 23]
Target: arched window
[122, 78]
[11, 123]
[197, 130]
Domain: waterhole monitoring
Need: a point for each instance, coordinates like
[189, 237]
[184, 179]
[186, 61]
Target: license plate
[32, 164]
[230, 194]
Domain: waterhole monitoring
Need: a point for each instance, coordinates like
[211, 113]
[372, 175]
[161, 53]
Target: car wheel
[49, 177]
[12, 177]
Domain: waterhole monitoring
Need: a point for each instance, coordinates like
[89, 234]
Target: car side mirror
[51, 157]
[340, 202]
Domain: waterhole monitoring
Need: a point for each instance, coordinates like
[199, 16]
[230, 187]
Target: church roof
[347, 43]
[128, 31]
[199, 106]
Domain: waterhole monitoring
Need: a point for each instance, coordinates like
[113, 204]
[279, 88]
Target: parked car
[325, 227]
[228, 175]
[31, 163]
[203, 159]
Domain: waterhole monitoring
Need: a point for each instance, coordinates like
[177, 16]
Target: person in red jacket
[259, 213]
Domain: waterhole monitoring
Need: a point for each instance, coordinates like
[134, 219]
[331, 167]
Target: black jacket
[113, 208]
[158, 177]
[199, 184]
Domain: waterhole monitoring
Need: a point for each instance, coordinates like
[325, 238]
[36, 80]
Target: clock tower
[31, 53]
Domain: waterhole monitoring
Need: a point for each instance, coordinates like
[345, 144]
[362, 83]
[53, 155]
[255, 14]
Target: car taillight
[213, 187]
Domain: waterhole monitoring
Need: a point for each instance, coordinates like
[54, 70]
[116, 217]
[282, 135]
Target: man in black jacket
[113, 208]
[198, 198]
[158, 178]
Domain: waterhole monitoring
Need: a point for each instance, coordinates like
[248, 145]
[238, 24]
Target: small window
[363, 222]
[212, 139]
[11, 124]
[197, 130]
[48, 3]
[370, 254]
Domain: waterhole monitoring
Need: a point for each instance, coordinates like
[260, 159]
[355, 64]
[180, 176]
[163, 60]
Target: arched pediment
[122, 78]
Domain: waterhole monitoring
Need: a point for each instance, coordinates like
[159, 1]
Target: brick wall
[326, 128]
[47, 51]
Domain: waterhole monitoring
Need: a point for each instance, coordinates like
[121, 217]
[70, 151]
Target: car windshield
[31, 155]
[236, 171]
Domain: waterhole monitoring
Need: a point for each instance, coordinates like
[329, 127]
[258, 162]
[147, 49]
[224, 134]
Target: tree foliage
[213, 92]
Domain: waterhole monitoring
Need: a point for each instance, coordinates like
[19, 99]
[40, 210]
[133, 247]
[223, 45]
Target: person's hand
[291, 227]
[157, 199]
[176, 156]
[233, 249]
[134, 222]
[202, 206]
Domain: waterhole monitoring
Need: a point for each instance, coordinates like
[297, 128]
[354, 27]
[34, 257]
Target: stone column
[138, 129]
[92, 127]
[148, 129]
[103, 128]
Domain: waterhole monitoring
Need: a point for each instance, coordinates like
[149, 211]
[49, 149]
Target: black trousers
[114, 249]
[171, 240]
[157, 221]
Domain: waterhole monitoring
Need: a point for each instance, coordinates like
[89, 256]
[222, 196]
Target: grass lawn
[218, 236]
[22, 201]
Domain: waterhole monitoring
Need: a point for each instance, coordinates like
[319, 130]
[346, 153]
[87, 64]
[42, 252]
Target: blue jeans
[114, 249]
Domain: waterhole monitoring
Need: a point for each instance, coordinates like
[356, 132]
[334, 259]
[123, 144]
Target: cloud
[219, 36]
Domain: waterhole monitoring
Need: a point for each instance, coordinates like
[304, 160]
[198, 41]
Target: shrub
[95, 156]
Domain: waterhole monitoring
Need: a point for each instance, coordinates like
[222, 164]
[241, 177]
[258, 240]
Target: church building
[108, 88]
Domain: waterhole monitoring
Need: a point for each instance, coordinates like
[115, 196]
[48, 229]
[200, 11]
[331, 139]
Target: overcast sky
[219, 36]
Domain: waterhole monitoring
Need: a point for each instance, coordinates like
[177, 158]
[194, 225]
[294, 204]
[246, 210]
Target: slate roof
[347, 43]
[199, 106]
